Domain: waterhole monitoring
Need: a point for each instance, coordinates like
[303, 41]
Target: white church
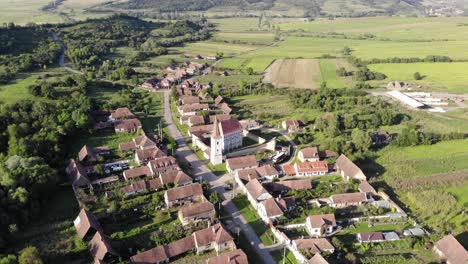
[227, 135]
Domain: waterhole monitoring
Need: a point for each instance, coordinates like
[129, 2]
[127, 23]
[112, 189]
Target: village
[306, 198]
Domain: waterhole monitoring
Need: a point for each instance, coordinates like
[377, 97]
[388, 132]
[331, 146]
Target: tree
[417, 76]
[346, 51]
[10, 259]
[249, 71]
[30, 255]
[361, 140]
[215, 198]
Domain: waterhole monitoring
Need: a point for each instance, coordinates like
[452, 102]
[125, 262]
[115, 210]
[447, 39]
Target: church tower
[216, 155]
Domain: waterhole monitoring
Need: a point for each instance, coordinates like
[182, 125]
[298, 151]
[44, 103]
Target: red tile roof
[191, 190]
[234, 257]
[128, 125]
[229, 126]
[311, 166]
[271, 207]
[100, 246]
[452, 250]
[310, 153]
[348, 198]
[241, 162]
[314, 245]
[175, 177]
[255, 188]
[197, 209]
[85, 221]
[317, 221]
[289, 185]
[372, 236]
[122, 113]
[348, 167]
[137, 172]
[215, 233]
[86, 152]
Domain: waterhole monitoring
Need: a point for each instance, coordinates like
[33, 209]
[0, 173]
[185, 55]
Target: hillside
[288, 7]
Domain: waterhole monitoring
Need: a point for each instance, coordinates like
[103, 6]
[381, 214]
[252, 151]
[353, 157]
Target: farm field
[271, 108]
[210, 48]
[445, 77]
[435, 175]
[298, 73]
[253, 38]
[232, 80]
[394, 28]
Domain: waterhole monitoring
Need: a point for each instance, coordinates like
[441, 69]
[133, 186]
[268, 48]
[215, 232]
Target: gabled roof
[233, 257]
[242, 162]
[197, 209]
[100, 246]
[452, 250]
[194, 107]
[188, 99]
[317, 221]
[271, 207]
[219, 99]
[180, 246]
[215, 233]
[311, 166]
[184, 192]
[197, 120]
[77, 174]
[137, 172]
[314, 245]
[247, 174]
[85, 221]
[86, 152]
[310, 152]
[122, 113]
[225, 108]
[162, 162]
[220, 117]
[154, 255]
[144, 142]
[348, 167]
[151, 153]
[348, 198]
[255, 189]
[365, 187]
[229, 126]
[283, 186]
[128, 124]
[317, 259]
[175, 177]
[372, 236]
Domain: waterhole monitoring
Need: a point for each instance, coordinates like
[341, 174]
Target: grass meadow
[446, 77]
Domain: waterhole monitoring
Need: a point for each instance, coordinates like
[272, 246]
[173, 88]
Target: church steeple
[216, 133]
[216, 153]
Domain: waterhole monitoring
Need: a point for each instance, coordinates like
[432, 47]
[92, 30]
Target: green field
[328, 74]
[447, 77]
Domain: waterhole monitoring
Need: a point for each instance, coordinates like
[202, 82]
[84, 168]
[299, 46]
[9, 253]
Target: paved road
[62, 56]
[284, 133]
[201, 170]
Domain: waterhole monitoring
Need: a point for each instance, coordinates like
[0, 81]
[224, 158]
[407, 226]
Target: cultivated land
[299, 73]
[446, 77]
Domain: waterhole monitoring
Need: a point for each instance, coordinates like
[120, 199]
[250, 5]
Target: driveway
[199, 169]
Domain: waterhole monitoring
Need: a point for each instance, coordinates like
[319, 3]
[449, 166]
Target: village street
[185, 154]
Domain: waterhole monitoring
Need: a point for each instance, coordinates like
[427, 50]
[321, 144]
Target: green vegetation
[289, 257]
[328, 74]
[218, 170]
[254, 220]
[445, 77]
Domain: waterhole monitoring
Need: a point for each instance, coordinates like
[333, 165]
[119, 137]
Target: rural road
[63, 55]
[200, 170]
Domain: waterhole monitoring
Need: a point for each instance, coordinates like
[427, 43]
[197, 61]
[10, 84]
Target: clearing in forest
[297, 73]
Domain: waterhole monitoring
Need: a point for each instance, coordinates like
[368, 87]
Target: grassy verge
[288, 257]
[254, 220]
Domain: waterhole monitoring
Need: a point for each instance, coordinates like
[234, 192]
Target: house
[163, 165]
[77, 174]
[366, 188]
[311, 168]
[178, 178]
[225, 108]
[214, 237]
[87, 154]
[239, 163]
[203, 211]
[291, 125]
[233, 257]
[139, 142]
[272, 208]
[220, 118]
[138, 172]
[347, 199]
[396, 85]
[182, 195]
[266, 172]
[135, 188]
[370, 237]
[143, 156]
[309, 154]
[218, 100]
[318, 225]
[196, 120]
[86, 225]
[101, 248]
[121, 114]
[313, 245]
[348, 169]
[451, 251]
[250, 124]
[200, 130]
[193, 109]
[290, 185]
[127, 126]
[189, 100]
[256, 192]
[317, 259]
